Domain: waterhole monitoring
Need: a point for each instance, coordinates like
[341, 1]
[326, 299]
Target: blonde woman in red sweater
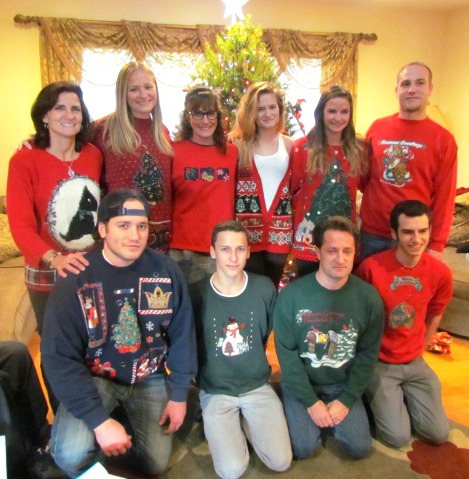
[136, 148]
[262, 201]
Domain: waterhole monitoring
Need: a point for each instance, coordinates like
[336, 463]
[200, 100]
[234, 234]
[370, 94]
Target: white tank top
[272, 169]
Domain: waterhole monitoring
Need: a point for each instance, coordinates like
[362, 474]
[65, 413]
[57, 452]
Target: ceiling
[425, 4]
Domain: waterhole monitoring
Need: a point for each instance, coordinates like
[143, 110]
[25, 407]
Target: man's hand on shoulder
[320, 415]
[175, 412]
[112, 438]
[337, 411]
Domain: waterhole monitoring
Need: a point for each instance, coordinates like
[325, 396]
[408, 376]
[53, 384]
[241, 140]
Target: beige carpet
[191, 459]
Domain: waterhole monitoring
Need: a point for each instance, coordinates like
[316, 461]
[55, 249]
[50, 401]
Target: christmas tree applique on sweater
[126, 332]
[332, 198]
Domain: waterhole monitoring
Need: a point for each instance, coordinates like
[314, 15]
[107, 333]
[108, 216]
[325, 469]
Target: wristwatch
[53, 255]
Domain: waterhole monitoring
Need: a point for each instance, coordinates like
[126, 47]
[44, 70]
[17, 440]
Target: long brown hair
[355, 149]
[244, 132]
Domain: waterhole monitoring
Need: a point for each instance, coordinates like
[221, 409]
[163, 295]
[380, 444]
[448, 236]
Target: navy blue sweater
[122, 323]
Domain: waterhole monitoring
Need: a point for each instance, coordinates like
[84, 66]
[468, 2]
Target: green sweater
[232, 332]
[325, 336]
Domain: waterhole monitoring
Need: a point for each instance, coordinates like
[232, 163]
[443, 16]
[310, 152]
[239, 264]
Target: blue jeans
[353, 433]
[257, 415]
[372, 244]
[74, 446]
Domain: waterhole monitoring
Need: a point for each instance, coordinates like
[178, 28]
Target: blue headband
[123, 211]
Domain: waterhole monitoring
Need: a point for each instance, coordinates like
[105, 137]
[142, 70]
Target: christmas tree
[332, 197]
[150, 179]
[239, 59]
[126, 333]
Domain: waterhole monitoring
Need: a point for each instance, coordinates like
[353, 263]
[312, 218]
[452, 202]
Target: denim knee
[357, 450]
[152, 466]
[303, 450]
[73, 462]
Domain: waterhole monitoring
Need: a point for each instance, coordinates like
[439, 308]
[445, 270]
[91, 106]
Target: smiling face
[335, 259]
[203, 129]
[141, 93]
[231, 251]
[413, 235]
[268, 111]
[336, 118]
[125, 237]
[64, 119]
[413, 91]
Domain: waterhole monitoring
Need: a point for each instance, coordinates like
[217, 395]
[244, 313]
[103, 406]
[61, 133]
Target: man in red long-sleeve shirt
[413, 158]
[404, 392]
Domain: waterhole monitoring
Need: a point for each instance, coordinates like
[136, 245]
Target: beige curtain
[337, 53]
[63, 40]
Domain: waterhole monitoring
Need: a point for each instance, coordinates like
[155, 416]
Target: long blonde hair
[123, 138]
[355, 149]
[244, 132]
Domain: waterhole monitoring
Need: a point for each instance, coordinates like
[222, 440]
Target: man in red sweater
[415, 287]
[412, 158]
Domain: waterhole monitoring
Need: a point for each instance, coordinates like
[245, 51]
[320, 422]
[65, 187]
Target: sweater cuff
[179, 394]
[95, 418]
[309, 400]
[436, 246]
[347, 399]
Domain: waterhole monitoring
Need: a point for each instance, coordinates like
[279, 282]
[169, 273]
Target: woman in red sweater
[262, 201]
[327, 164]
[53, 192]
[203, 182]
[136, 148]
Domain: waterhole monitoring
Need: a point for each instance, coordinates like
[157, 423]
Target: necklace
[71, 172]
[68, 164]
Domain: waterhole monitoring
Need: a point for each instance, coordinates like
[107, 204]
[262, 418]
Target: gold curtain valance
[63, 41]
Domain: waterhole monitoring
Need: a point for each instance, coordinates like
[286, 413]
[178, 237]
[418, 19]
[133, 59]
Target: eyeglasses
[198, 115]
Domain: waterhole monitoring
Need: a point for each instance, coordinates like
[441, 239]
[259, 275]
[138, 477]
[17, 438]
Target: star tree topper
[233, 8]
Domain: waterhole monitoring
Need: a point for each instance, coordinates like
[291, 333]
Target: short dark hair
[419, 64]
[410, 208]
[336, 223]
[114, 201]
[230, 225]
[45, 101]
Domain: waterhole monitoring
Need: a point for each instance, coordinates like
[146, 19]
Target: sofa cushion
[17, 321]
[8, 248]
[460, 268]
[459, 233]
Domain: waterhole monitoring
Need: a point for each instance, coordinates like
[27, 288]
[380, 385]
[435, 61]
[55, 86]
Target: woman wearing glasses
[203, 182]
[263, 180]
[136, 148]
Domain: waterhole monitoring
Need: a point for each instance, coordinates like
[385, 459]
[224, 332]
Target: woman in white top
[262, 201]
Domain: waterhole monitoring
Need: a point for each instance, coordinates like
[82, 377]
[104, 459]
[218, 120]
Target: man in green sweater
[233, 315]
[328, 328]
